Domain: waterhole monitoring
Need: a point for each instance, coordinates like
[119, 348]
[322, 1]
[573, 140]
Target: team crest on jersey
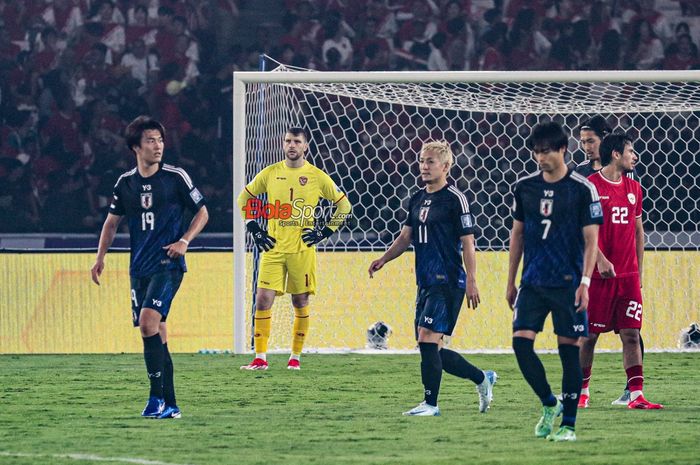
[631, 197]
[546, 206]
[423, 214]
[146, 200]
[303, 180]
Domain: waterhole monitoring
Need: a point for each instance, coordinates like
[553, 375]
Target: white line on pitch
[94, 458]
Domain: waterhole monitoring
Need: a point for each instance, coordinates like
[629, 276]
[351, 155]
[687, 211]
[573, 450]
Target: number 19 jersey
[154, 208]
[622, 205]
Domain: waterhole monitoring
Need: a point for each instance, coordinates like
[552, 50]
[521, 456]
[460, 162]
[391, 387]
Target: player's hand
[605, 267]
[473, 299]
[376, 266]
[581, 301]
[96, 271]
[263, 241]
[176, 249]
[511, 294]
[314, 236]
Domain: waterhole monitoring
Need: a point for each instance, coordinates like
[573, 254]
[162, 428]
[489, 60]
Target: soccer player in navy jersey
[441, 229]
[556, 214]
[591, 134]
[153, 197]
[616, 291]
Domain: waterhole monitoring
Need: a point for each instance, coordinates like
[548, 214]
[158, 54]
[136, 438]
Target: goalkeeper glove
[262, 240]
[314, 236]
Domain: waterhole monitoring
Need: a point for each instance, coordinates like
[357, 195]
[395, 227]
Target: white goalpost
[365, 131]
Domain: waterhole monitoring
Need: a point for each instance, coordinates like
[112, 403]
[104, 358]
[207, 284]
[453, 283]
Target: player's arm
[590, 252]
[109, 231]
[639, 244]
[248, 204]
[179, 248]
[515, 254]
[398, 247]
[469, 257]
[605, 266]
[343, 208]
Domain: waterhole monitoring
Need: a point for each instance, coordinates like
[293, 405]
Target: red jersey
[622, 205]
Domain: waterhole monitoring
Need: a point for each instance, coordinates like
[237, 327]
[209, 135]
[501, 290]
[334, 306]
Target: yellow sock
[263, 323]
[301, 328]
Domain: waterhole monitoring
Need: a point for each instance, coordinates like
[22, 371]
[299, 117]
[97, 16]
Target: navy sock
[454, 364]
[532, 369]
[168, 381]
[154, 357]
[572, 379]
[430, 370]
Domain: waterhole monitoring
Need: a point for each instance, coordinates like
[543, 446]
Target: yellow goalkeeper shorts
[294, 273]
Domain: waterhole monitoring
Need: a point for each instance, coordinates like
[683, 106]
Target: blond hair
[440, 148]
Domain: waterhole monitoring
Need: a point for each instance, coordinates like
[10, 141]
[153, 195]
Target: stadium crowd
[73, 73]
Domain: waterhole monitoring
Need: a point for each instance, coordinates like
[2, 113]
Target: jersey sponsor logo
[548, 193]
[146, 187]
[157, 303]
[632, 198]
[578, 328]
[146, 200]
[196, 195]
[467, 221]
[423, 214]
[303, 180]
[428, 320]
[604, 197]
[281, 178]
[596, 210]
[546, 206]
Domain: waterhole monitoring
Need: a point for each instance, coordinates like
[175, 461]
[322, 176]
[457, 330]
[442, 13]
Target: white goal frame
[241, 79]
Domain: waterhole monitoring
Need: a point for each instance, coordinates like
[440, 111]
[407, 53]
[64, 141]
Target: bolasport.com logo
[295, 213]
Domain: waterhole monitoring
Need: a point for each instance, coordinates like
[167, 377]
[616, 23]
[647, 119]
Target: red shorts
[614, 304]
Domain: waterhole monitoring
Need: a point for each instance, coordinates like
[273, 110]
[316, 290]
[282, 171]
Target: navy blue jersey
[554, 215]
[438, 221]
[585, 168]
[154, 208]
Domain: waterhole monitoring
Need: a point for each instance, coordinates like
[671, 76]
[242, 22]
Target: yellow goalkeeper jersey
[292, 197]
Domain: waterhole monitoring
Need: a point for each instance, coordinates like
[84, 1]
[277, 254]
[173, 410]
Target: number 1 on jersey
[147, 221]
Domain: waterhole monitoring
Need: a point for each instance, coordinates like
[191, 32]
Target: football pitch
[339, 409]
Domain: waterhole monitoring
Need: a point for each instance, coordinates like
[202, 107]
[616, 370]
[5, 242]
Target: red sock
[635, 378]
[586, 376]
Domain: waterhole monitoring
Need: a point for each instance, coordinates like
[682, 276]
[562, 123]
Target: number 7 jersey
[622, 205]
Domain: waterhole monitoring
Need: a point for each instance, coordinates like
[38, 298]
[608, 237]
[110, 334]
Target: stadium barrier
[48, 304]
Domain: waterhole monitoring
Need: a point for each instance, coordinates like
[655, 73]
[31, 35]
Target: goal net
[366, 130]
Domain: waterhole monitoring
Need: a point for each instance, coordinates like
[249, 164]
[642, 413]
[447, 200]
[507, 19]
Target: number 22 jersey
[622, 205]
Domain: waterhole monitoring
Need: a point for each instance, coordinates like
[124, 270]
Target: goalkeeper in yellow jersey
[288, 264]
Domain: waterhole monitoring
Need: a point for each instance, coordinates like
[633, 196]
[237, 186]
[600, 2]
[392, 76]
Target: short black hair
[296, 131]
[614, 142]
[136, 128]
[597, 124]
[547, 136]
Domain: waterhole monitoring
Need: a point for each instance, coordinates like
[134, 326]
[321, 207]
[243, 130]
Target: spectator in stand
[602, 21]
[682, 54]
[64, 16]
[610, 52]
[492, 59]
[337, 39]
[436, 59]
[141, 64]
[644, 49]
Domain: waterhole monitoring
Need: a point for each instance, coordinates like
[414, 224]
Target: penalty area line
[87, 457]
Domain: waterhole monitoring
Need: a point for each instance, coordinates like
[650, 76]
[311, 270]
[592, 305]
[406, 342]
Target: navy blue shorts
[437, 308]
[533, 304]
[156, 292]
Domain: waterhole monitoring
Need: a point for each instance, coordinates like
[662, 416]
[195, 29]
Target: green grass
[340, 409]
